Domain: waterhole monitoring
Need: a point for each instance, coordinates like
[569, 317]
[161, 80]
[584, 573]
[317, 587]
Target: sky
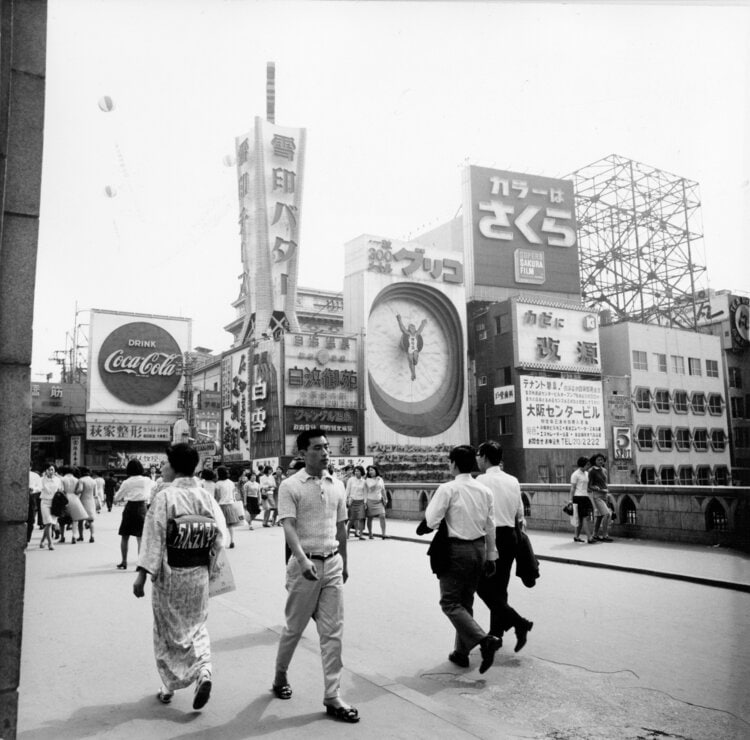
[396, 97]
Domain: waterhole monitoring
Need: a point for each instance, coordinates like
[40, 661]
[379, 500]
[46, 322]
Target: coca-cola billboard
[140, 363]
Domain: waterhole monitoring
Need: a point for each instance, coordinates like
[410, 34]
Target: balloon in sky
[110, 191]
[106, 104]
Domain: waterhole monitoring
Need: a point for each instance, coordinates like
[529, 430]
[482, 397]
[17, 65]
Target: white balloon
[110, 191]
[106, 104]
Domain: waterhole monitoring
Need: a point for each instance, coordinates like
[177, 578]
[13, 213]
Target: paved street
[613, 654]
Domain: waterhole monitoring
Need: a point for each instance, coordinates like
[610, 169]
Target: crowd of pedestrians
[182, 523]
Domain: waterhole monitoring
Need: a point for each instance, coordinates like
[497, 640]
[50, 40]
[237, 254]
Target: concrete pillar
[23, 34]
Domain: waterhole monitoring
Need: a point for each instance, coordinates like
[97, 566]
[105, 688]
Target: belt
[458, 539]
[320, 555]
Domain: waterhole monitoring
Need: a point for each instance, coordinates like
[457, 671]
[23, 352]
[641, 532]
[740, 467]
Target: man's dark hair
[303, 438]
[222, 473]
[183, 458]
[581, 462]
[463, 456]
[491, 450]
[208, 474]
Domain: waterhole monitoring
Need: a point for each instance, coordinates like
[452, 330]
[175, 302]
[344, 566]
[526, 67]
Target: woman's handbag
[568, 509]
[239, 509]
[220, 576]
[58, 504]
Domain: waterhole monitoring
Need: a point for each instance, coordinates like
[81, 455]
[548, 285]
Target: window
[505, 424]
[680, 402]
[544, 474]
[244, 185]
[703, 475]
[735, 377]
[666, 475]
[560, 474]
[694, 366]
[648, 475]
[645, 438]
[678, 364]
[685, 475]
[737, 406]
[481, 331]
[718, 440]
[643, 399]
[664, 438]
[715, 404]
[742, 437]
[712, 368]
[661, 401]
[628, 511]
[698, 403]
[502, 376]
[721, 475]
[242, 152]
[716, 517]
[502, 323]
[482, 380]
[700, 440]
[682, 439]
[660, 361]
[640, 360]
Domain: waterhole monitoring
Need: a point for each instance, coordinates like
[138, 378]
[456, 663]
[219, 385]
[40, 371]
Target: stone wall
[706, 515]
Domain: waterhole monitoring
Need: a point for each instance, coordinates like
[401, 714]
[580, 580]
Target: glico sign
[140, 363]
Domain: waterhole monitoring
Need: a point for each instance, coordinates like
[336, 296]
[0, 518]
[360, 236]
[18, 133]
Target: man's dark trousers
[493, 590]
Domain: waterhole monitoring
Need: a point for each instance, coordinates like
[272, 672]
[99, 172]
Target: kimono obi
[189, 540]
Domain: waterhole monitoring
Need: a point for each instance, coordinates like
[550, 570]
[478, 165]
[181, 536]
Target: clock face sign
[415, 359]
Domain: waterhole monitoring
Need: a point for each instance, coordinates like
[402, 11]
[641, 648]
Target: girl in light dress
[375, 499]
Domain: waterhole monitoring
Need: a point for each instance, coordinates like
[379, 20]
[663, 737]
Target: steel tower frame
[638, 231]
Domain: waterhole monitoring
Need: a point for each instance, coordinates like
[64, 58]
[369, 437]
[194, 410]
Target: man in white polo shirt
[312, 510]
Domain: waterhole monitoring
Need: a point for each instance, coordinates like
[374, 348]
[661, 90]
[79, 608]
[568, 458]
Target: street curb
[714, 583]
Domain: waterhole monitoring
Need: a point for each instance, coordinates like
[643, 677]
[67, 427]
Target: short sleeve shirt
[580, 479]
[317, 505]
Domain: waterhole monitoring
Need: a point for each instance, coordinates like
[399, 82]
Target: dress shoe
[488, 647]
[522, 633]
[462, 661]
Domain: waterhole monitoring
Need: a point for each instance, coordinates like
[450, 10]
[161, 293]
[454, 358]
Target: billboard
[270, 170]
[555, 336]
[520, 231]
[135, 365]
[235, 402]
[561, 413]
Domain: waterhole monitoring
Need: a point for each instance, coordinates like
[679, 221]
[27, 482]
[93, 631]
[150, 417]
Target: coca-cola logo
[140, 363]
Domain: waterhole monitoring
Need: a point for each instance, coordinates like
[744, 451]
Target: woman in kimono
[179, 577]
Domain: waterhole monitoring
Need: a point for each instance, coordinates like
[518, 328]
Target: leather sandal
[164, 696]
[342, 714]
[283, 691]
[122, 566]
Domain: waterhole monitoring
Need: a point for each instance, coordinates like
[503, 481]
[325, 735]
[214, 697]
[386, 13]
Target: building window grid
[703, 475]
[678, 364]
[735, 377]
[643, 399]
[640, 360]
[721, 475]
[662, 400]
[660, 362]
[648, 475]
[718, 440]
[680, 402]
[698, 403]
[666, 475]
[712, 368]
[664, 438]
[700, 440]
[682, 439]
[645, 438]
[685, 475]
[694, 366]
[737, 407]
[715, 404]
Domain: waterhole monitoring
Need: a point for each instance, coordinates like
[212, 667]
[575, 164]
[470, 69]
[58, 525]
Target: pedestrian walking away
[507, 510]
[35, 494]
[579, 497]
[312, 509]
[110, 488]
[224, 494]
[467, 508]
[86, 489]
[136, 492]
[375, 500]
[183, 527]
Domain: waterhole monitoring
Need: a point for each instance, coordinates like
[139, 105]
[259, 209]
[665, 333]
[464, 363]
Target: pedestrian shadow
[244, 641]
[90, 721]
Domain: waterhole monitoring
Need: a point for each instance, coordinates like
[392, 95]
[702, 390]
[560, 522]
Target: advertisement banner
[331, 421]
[135, 363]
[321, 371]
[521, 230]
[110, 430]
[561, 413]
[270, 172]
[235, 368]
[504, 394]
[555, 336]
[265, 421]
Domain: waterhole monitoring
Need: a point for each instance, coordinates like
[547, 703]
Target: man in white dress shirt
[466, 506]
[508, 506]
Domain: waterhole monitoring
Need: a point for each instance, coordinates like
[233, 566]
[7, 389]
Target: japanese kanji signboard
[555, 336]
[520, 230]
[557, 412]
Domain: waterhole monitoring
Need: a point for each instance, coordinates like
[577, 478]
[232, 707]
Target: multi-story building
[678, 402]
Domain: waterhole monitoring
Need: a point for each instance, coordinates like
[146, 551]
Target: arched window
[685, 475]
[716, 517]
[666, 475]
[628, 512]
